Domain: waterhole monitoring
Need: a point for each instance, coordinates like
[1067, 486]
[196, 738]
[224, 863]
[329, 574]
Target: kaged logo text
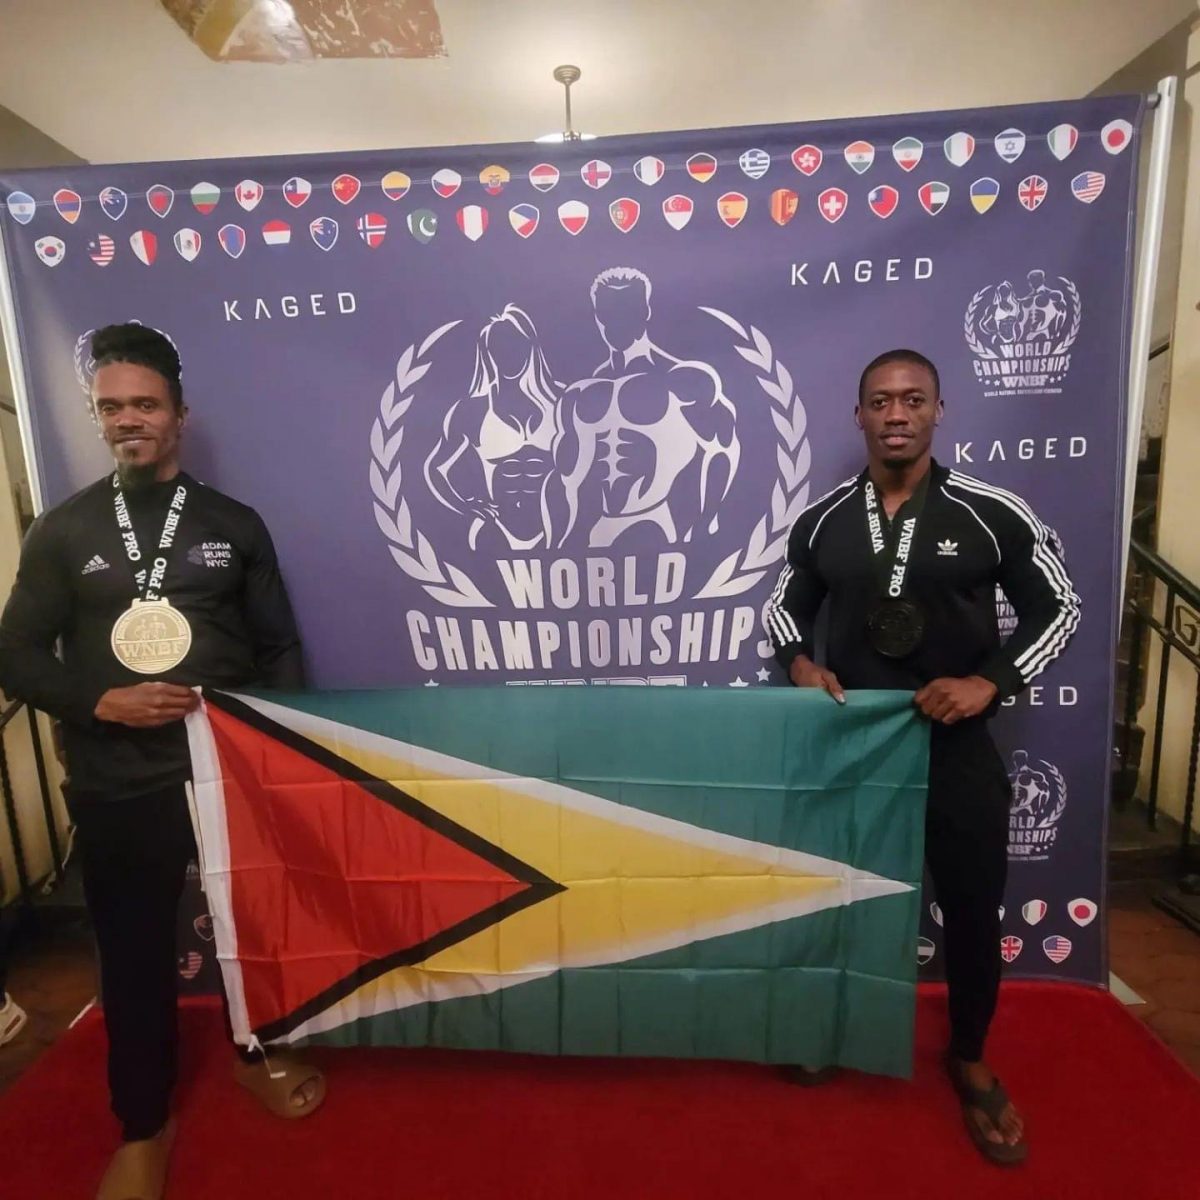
[267, 308]
[864, 270]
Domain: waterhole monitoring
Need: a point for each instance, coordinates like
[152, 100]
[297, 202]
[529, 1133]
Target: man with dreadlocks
[155, 584]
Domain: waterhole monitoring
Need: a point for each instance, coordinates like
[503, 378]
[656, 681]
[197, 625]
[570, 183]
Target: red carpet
[1110, 1112]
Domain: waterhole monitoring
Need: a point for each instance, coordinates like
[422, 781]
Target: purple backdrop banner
[545, 415]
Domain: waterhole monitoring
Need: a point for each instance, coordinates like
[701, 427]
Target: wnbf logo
[1039, 799]
[1021, 336]
[558, 514]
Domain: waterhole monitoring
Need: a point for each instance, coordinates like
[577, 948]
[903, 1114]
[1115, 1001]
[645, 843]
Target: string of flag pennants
[573, 215]
[1056, 947]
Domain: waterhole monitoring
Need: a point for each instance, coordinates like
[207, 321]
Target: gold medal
[151, 637]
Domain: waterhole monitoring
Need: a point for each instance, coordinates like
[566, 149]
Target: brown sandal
[138, 1171]
[275, 1078]
[992, 1104]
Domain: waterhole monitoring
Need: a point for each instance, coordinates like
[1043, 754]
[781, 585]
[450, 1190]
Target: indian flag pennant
[614, 873]
[859, 156]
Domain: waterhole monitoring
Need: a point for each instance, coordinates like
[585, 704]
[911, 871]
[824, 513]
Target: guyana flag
[607, 871]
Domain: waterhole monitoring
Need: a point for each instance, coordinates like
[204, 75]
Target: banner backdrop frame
[1162, 103]
[1038, 774]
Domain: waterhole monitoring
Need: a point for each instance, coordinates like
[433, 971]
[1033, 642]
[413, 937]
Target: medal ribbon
[891, 548]
[148, 589]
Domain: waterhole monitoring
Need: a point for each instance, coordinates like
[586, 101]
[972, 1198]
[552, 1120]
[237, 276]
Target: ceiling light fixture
[567, 75]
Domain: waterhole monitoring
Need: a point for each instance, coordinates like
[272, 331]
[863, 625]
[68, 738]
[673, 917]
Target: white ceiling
[117, 80]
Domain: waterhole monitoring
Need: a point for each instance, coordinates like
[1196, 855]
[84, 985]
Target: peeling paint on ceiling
[288, 31]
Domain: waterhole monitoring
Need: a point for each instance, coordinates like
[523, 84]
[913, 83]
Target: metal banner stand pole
[1143, 300]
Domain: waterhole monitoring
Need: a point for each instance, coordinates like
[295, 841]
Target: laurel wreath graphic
[85, 365]
[742, 569]
[738, 572]
[987, 352]
[1061, 806]
[410, 548]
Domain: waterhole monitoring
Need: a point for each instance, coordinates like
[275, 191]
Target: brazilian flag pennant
[560, 870]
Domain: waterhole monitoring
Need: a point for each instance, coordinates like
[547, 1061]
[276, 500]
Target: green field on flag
[778, 767]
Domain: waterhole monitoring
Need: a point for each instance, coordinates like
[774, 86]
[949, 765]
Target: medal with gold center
[151, 636]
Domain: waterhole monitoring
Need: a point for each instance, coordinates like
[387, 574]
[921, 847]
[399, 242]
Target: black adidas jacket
[971, 536]
[74, 581]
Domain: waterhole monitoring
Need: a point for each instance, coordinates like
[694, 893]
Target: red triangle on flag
[337, 877]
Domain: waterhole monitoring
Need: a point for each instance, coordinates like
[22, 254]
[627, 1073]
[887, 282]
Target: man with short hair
[908, 555]
[156, 584]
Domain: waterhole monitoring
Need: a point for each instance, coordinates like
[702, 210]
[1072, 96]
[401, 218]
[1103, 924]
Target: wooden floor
[1160, 960]
[52, 982]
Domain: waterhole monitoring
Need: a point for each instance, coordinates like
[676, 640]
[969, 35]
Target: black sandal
[992, 1104]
